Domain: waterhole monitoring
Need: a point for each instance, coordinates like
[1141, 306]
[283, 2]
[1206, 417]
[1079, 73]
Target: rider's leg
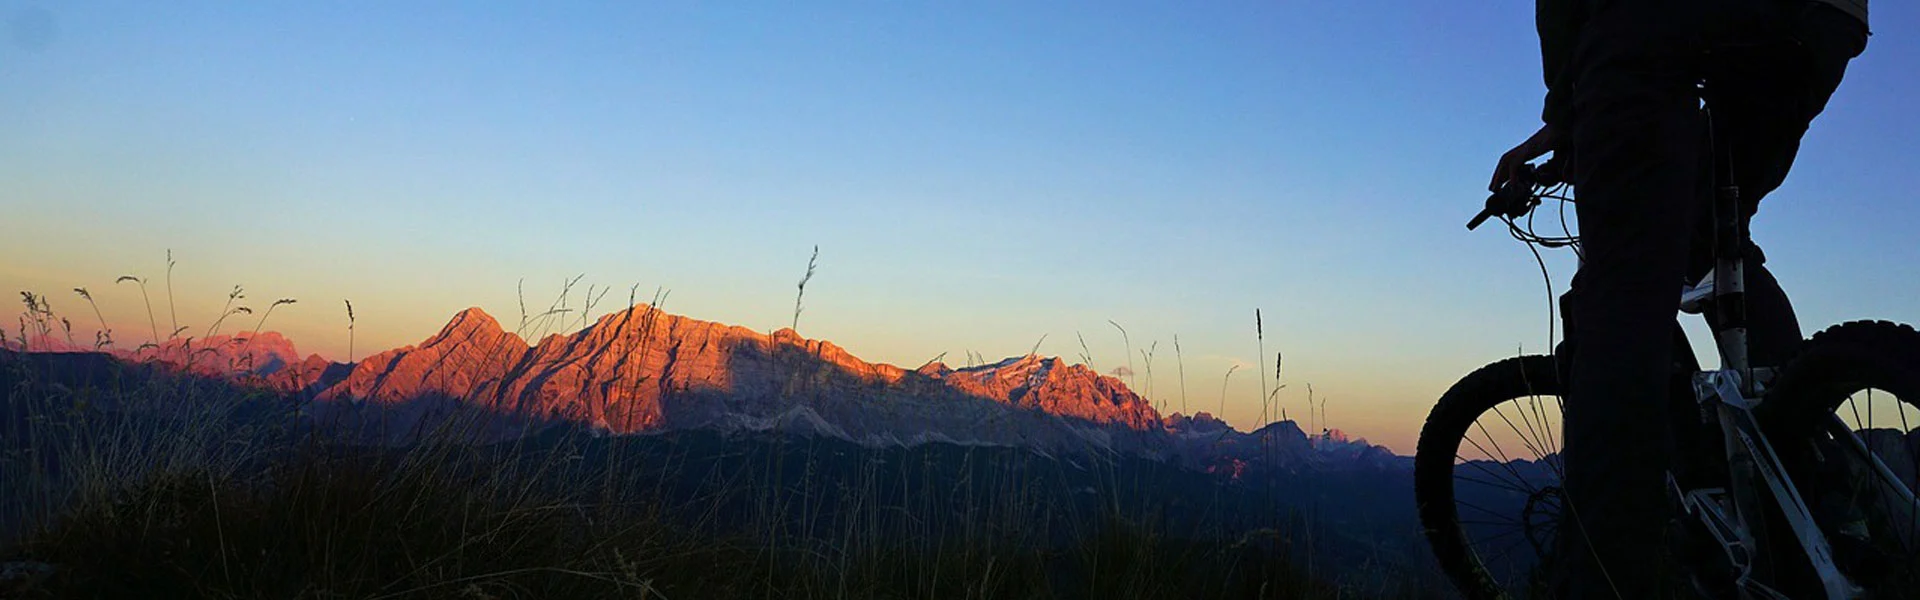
[1634, 157]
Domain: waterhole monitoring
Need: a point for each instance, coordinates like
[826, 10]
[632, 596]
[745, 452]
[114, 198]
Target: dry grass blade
[350, 321]
[812, 262]
[142, 283]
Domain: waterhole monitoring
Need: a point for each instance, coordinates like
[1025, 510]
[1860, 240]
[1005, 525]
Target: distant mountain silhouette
[643, 370]
[265, 359]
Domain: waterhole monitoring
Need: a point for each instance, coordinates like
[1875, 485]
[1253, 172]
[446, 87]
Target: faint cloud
[32, 28]
[1232, 362]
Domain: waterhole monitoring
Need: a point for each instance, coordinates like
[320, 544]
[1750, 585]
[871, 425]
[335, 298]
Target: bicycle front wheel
[1487, 477]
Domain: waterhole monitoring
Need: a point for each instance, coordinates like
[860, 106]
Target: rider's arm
[1559, 22]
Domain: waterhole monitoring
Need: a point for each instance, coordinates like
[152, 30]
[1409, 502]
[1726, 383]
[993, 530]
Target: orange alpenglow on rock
[642, 369]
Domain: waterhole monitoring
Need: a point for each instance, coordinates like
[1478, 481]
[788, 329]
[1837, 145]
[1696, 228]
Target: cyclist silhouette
[1622, 115]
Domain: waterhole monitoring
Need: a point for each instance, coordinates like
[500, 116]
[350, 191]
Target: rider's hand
[1539, 144]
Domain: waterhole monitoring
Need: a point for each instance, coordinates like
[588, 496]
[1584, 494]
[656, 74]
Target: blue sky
[977, 175]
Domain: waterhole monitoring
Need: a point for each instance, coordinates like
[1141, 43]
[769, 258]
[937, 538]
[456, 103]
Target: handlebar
[1516, 197]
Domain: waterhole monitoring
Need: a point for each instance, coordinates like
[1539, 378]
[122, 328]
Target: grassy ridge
[135, 483]
[361, 527]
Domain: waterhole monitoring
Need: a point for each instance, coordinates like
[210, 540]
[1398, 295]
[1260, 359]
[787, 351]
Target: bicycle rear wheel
[1487, 477]
[1843, 416]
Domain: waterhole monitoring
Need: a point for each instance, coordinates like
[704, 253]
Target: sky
[979, 178]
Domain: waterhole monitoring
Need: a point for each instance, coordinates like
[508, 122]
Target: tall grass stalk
[227, 310]
[1128, 342]
[1223, 389]
[350, 322]
[1146, 356]
[173, 315]
[801, 292]
[1259, 332]
[142, 283]
[103, 338]
[1311, 429]
[1181, 359]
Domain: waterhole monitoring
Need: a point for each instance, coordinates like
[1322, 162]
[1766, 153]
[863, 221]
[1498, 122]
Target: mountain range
[643, 370]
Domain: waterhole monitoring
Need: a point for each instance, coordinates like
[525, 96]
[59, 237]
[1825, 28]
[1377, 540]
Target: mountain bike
[1797, 480]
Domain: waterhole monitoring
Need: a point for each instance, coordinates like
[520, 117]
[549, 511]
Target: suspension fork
[1730, 267]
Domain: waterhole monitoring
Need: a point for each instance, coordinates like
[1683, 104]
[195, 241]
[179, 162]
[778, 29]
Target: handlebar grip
[1480, 218]
[1516, 197]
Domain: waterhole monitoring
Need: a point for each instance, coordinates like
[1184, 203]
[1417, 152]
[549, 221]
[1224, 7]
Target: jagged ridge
[642, 370]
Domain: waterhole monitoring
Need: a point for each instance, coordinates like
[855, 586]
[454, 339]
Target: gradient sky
[977, 175]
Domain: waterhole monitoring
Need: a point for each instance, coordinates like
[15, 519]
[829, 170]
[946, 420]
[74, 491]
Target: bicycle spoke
[1501, 453]
[1504, 553]
[1505, 461]
[1503, 464]
[1913, 513]
[1545, 432]
[1477, 465]
[1492, 484]
[1546, 425]
[1494, 514]
[1502, 536]
[1904, 428]
[1537, 454]
[1518, 540]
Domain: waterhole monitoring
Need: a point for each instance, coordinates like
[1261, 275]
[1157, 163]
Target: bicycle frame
[1728, 396]
[1752, 463]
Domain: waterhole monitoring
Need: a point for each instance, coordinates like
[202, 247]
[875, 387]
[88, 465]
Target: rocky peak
[469, 326]
[468, 359]
[1200, 422]
[1051, 385]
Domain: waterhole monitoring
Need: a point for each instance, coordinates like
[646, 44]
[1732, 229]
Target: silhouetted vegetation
[128, 479]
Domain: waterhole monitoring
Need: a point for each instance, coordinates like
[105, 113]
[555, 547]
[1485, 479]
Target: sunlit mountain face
[645, 370]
